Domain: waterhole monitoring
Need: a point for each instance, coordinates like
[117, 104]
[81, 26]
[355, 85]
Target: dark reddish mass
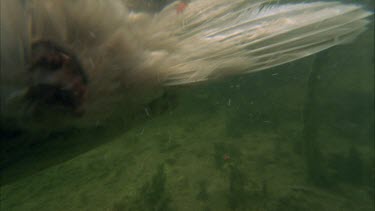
[56, 77]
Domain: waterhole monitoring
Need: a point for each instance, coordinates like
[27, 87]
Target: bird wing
[213, 38]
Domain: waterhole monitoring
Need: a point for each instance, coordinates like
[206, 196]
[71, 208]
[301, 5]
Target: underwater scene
[296, 136]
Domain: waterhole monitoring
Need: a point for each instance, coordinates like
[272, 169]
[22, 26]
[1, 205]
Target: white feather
[214, 38]
[127, 54]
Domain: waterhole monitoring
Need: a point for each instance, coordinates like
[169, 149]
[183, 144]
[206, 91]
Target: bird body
[94, 55]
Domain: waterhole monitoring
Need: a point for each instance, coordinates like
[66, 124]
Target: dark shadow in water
[23, 154]
[313, 155]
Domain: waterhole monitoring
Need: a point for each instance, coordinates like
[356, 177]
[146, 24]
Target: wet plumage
[103, 57]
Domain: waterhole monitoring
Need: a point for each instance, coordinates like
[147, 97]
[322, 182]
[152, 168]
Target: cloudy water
[293, 137]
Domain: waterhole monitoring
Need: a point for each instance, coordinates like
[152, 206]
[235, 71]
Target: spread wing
[214, 38]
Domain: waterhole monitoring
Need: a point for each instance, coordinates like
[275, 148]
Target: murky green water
[296, 137]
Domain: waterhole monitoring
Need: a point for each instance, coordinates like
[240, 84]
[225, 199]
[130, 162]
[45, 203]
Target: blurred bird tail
[214, 38]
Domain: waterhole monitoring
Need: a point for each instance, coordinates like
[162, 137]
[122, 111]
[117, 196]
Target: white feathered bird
[96, 55]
